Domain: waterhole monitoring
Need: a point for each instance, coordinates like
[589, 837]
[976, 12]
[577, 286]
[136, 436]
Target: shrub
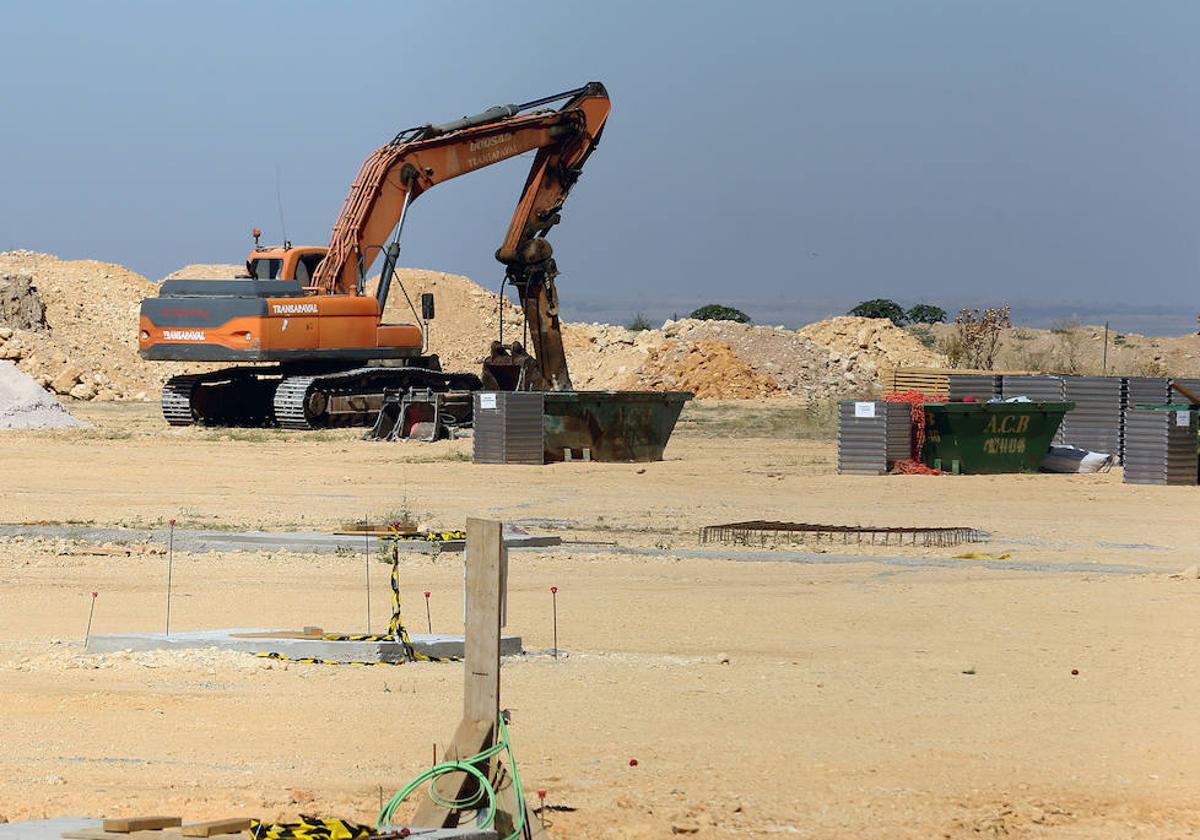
[924, 313]
[880, 308]
[639, 323]
[717, 312]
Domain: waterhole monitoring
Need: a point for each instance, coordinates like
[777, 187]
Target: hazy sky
[790, 158]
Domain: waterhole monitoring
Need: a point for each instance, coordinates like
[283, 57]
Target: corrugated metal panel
[1095, 422]
[1146, 390]
[509, 428]
[1160, 446]
[982, 386]
[1039, 388]
[1142, 390]
[869, 445]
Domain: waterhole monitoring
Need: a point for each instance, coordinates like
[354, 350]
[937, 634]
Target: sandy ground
[864, 696]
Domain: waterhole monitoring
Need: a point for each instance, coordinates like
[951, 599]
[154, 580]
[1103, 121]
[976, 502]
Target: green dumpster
[1001, 437]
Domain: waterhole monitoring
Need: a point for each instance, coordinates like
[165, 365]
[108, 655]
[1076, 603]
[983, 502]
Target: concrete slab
[53, 829]
[45, 829]
[198, 541]
[430, 644]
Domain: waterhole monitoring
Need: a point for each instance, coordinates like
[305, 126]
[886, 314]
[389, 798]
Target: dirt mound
[88, 349]
[207, 271]
[25, 405]
[709, 369]
[877, 339]
[467, 316]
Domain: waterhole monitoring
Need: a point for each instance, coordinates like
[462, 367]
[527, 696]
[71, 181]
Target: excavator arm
[420, 158]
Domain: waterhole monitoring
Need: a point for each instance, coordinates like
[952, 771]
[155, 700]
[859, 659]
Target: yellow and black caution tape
[428, 536]
[309, 828]
[396, 632]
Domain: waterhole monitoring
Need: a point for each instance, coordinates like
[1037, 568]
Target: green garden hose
[484, 791]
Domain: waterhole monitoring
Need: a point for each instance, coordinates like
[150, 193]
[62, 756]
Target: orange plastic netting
[917, 400]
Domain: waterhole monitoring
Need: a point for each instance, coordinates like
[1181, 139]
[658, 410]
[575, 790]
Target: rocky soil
[71, 325]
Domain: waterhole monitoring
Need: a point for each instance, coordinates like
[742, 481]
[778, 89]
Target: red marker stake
[428, 620]
[554, 603]
[170, 567]
[542, 810]
[92, 611]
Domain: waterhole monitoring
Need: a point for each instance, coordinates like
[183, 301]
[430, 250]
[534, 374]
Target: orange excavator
[306, 313]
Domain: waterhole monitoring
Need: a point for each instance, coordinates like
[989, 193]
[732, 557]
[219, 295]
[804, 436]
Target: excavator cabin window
[265, 269]
[306, 267]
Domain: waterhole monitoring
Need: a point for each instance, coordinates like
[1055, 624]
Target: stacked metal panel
[1038, 388]
[1146, 390]
[982, 386]
[1160, 446]
[1095, 422]
[1142, 390]
[872, 436]
[509, 427]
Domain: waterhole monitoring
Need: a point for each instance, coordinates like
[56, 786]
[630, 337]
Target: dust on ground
[847, 694]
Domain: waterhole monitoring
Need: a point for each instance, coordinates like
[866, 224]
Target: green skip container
[978, 438]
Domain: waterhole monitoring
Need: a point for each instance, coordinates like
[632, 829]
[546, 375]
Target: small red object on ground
[633, 762]
[1074, 672]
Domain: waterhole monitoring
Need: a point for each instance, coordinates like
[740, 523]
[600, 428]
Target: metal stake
[367, 566]
[170, 569]
[428, 620]
[92, 611]
[554, 602]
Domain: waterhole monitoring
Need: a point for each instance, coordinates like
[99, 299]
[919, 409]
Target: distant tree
[639, 323]
[717, 312]
[924, 313]
[880, 308]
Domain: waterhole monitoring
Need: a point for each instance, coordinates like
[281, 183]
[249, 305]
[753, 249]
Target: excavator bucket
[421, 414]
[510, 368]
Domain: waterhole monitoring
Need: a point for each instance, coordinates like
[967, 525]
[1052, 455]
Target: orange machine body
[244, 320]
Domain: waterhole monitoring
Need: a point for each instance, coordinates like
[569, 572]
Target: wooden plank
[211, 828]
[506, 808]
[481, 690]
[124, 825]
[470, 738]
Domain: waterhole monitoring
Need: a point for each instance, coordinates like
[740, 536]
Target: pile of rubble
[71, 325]
[24, 404]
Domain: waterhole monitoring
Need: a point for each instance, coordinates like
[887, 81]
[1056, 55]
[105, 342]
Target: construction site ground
[820, 691]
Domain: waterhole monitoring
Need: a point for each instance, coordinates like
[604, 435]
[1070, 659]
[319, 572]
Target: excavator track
[230, 397]
[177, 400]
[354, 397]
[290, 402]
[265, 396]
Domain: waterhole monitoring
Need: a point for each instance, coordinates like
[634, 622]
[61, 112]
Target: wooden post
[481, 667]
[486, 562]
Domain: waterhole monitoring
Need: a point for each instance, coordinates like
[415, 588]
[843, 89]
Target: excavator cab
[286, 263]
